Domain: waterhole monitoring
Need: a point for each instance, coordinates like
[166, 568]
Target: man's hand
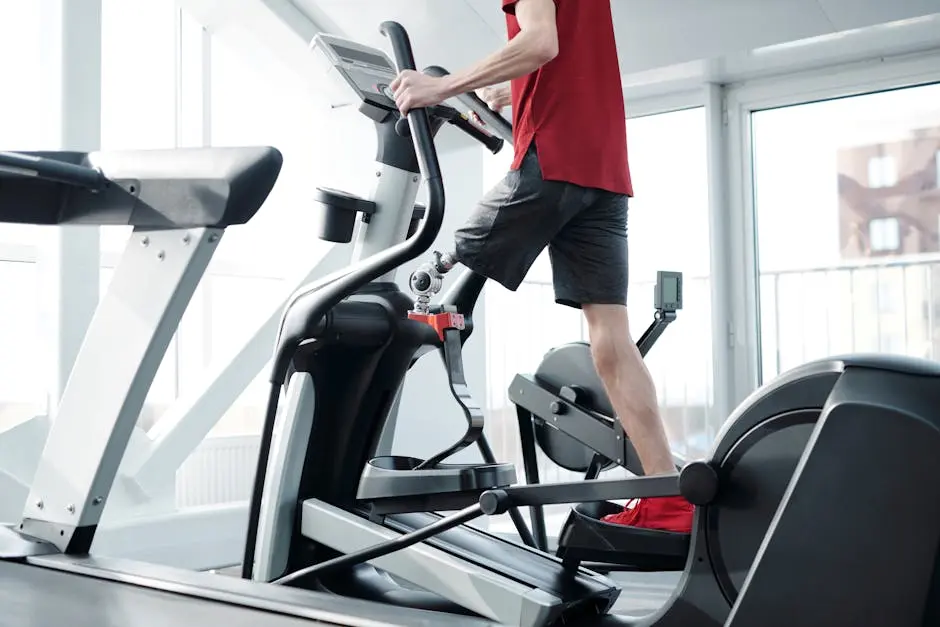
[414, 90]
[496, 97]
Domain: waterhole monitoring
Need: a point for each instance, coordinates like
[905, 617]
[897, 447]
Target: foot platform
[586, 538]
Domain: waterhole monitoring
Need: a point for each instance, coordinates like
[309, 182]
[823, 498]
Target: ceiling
[663, 43]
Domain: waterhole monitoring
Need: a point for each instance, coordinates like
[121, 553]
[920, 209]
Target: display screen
[352, 54]
[670, 290]
[668, 293]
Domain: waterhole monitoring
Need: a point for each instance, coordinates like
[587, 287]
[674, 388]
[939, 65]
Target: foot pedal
[586, 538]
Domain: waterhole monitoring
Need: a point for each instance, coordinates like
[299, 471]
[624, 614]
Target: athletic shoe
[671, 513]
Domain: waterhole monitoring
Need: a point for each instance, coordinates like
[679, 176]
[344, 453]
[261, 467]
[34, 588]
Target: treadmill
[179, 203]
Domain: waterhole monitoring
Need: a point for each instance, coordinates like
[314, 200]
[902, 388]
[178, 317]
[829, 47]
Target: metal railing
[883, 306]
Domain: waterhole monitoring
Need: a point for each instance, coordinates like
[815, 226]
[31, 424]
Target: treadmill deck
[88, 592]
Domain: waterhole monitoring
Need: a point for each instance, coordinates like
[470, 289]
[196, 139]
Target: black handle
[493, 143]
[417, 118]
[51, 170]
[497, 124]
[307, 308]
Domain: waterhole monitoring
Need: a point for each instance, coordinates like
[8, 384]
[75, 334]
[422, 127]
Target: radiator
[220, 471]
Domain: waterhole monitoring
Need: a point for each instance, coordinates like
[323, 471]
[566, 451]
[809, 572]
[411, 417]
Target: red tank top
[572, 107]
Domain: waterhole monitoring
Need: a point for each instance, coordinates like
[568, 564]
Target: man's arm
[534, 46]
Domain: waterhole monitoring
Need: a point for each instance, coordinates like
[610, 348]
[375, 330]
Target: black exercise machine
[818, 505]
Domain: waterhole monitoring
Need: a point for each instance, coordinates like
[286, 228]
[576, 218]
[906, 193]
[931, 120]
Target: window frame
[741, 101]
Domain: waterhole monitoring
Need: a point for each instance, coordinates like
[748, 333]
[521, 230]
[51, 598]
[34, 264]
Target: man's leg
[629, 385]
[589, 263]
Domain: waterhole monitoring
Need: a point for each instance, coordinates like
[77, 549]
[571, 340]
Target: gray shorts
[585, 230]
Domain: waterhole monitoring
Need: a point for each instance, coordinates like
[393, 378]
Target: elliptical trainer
[344, 348]
[788, 527]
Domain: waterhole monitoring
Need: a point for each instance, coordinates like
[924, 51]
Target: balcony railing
[881, 305]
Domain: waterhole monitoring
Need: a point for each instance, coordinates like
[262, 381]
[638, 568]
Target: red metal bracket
[440, 322]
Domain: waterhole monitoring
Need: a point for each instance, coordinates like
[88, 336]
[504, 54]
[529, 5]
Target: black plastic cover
[338, 217]
[172, 188]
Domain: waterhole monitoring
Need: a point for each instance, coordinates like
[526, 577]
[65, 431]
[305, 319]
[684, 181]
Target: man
[567, 189]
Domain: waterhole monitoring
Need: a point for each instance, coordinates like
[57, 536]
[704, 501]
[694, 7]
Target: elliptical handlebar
[496, 123]
[300, 320]
[417, 118]
[491, 142]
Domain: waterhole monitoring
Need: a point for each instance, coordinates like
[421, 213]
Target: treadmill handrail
[43, 168]
[176, 188]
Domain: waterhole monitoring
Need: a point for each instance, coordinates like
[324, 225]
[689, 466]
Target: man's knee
[609, 331]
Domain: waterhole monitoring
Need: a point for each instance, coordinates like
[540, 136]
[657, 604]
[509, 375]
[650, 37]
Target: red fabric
[572, 107]
[671, 513]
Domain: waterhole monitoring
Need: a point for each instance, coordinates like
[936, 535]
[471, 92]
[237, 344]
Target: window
[24, 125]
[882, 172]
[22, 393]
[138, 85]
[256, 100]
[884, 234]
[138, 47]
[819, 294]
[24, 119]
[663, 149]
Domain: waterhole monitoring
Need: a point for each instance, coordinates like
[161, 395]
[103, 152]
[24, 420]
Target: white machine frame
[73, 481]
